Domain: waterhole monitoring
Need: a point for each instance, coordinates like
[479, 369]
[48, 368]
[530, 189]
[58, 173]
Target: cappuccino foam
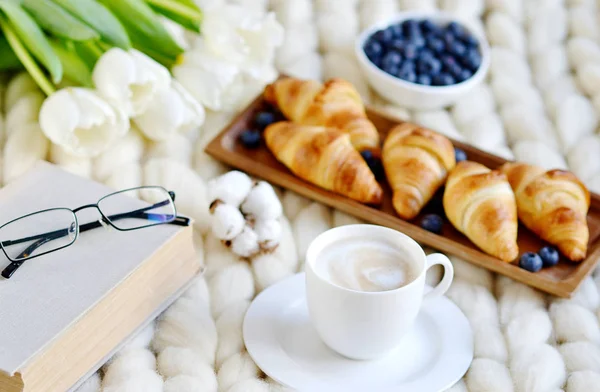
[364, 265]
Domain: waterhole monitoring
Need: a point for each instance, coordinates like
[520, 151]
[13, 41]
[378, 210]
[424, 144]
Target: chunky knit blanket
[540, 104]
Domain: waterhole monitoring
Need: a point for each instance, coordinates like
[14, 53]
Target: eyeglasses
[129, 209]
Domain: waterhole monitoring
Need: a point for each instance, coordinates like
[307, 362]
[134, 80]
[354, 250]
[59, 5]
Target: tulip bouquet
[107, 65]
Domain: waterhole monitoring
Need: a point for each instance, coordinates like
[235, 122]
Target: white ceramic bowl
[412, 95]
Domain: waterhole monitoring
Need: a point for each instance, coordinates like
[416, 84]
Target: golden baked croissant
[324, 157]
[416, 163]
[480, 203]
[334, 104]
[553, 204]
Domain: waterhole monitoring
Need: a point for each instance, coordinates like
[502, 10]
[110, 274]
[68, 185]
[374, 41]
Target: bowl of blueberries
[423, 60]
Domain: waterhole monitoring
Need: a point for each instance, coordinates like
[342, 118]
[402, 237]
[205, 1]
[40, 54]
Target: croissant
[480, 204]
[416, 163]
[325, 157]
[334, 104]
[553, 204]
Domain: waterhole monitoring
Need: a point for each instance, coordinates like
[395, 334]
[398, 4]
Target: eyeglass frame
[15, 264]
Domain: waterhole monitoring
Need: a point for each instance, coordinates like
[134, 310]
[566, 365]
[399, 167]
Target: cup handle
[444, 285]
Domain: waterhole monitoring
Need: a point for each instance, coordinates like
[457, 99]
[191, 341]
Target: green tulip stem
[26, 59]
[177, 8]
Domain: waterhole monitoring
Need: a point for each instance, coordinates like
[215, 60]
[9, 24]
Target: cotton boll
[585, 381]
[476, 302]
[299, 40]
[227, 221]
[518, 299]
[485, 131]
[504, 31]
[174, 361]
[238, 367]
[130, 148]
[548, 27]
[92, 384]
[581, 356]
[177, 147]
[268, 233]
[510, 64]
[549, 65]
[262, 202]
[25, 110]
[126, 176]
[529, 329]
[582, 23]
[471, 273]
[294, 12]
[584, 157]
[22, 150]
[558, 91]
[439, 121]
[582, 50]
[340, 65]
[293, 203]
[487, 375]
[489, 342]
[187, 324]
[537, 153]
[231, 188]
[18, 87]
[232, 284]
[132, 361]
[229, 327]
[310, 222]
[508, 90]
[476, 102]
[246, 243]
[538, 368]
[338, 30]
[341, 219]
[521, 123]
[190, 189]
[143, 381]
[253, 385]
[306, 67]
[218, 256]
[71, 163]
[575, 118]
[574, 323]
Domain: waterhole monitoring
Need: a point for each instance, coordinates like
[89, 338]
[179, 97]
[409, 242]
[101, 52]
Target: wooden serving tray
[561, 280]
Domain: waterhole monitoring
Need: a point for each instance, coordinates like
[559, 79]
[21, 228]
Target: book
[62, 315]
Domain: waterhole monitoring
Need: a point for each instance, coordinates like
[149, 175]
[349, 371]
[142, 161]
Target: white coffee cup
[366, 325]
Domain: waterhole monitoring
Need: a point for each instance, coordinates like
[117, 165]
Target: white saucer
[280, 338]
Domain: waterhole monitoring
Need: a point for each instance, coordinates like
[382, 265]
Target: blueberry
[398, 44]
[456, 29]
[459, 155]
[407, 66]
[443, 79]
[470, 40]
[428, 26]
[455, 70]
[411, 28]
[396, 30]
[531, 262]
[472, 59]
[448, 61]
[435, 44]
[425, 53]
[430, 66]
[383, 36]
[464, 75]
[391, 69]
[250, 138]
[373, 49]
[410, 51]
[432, 223]
[424, 79]
[374, 164]
[391, 59]
[449, 38]
[457, 49]
[409, 76]
[264, 119]
[418, 41]
[549, 256]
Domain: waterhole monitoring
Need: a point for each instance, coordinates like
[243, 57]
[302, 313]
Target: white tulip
[171, 111]
[81, 121]
[130, 78]
[25, 110]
